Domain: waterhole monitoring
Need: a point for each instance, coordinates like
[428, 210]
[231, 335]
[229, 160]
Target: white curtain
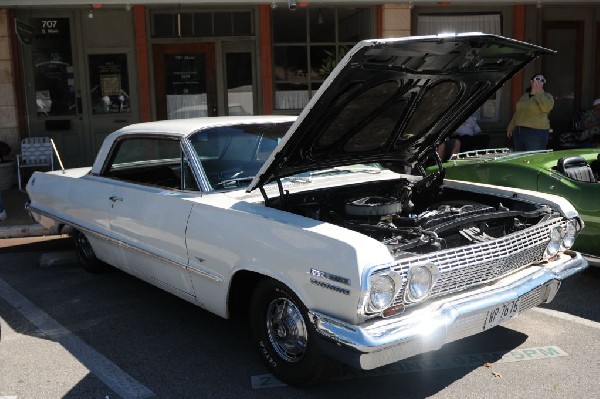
[435, 24]
[186, 106]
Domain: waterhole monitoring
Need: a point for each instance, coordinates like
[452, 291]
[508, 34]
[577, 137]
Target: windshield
[232, 155]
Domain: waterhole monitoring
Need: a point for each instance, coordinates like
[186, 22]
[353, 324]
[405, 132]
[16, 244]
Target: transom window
[308, 43]
[202, 24]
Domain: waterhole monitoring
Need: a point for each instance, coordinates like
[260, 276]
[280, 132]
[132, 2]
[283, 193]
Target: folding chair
[36, 152]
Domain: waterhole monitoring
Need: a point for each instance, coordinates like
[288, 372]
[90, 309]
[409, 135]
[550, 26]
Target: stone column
[396, 20]
[9, 132]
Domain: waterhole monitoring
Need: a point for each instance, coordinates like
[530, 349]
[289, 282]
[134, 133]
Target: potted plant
[7, 167]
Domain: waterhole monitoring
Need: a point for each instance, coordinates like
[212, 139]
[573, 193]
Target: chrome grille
[469, 266]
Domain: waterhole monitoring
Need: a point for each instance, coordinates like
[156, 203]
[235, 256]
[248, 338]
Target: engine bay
[415, 217]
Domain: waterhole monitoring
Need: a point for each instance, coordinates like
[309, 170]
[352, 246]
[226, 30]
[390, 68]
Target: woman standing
[530, 127]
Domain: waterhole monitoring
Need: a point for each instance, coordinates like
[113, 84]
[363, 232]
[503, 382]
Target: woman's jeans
[529, 139]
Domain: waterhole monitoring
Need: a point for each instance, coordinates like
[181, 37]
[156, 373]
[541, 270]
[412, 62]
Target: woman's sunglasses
[538, 79]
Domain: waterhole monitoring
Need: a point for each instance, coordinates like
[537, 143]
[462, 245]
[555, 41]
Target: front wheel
[87, 257]
[283, 335]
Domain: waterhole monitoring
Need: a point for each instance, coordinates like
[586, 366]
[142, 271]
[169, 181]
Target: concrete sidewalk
[19, 223]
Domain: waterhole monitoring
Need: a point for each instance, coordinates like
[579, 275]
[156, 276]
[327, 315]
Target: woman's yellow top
[532, 111]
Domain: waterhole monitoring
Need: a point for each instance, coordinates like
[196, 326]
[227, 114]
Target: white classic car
[312, 227]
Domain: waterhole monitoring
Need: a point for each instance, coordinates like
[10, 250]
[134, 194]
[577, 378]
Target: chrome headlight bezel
[420, 281]
[554, 245]
[378, 300]
[382, 290]
[570, 233]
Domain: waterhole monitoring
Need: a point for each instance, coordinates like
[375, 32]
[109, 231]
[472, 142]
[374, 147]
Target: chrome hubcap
[286, 329]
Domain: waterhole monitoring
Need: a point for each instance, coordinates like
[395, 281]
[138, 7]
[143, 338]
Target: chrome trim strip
[212, 276]
[124, 244]
[330, 286]
[384, 341]
[329, 276]
[195, 165]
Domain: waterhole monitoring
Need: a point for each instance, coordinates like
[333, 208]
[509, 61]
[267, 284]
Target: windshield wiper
[235, 182]
[346, 169]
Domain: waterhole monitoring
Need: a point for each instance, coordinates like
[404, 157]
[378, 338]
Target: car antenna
[58, 156]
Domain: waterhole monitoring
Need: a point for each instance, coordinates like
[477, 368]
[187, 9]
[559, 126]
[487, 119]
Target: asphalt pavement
[70, 334]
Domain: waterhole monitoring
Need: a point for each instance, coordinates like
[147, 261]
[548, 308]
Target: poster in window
[109, 83]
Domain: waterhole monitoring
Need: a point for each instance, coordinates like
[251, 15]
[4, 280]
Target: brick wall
[8, 109]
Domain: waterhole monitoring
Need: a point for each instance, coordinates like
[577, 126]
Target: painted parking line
[568, 317]
[424, 363]
[108, 372]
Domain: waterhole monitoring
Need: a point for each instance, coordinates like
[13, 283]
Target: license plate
[501, 313]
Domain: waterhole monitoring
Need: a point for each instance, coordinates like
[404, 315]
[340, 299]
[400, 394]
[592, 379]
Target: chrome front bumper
[386, 341]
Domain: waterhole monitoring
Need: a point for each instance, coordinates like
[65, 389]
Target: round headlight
[420, 282]
[381, 292]
[570, 234]
[555, 241]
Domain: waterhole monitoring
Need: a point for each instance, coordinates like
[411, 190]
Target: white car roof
[185, 127]
[180, 128]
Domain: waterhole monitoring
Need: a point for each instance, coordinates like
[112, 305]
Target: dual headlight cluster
[562, 238]
[384, 287]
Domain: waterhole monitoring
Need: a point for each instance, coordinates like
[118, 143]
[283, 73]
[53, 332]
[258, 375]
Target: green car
[572, 174]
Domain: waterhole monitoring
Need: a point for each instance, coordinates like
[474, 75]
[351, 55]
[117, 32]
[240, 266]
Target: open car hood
[395, 100]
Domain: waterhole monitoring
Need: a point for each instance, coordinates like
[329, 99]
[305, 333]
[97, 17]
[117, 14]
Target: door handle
[114, 199]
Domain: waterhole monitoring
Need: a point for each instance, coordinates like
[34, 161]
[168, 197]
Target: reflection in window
[232, 155]
[53, 67]
[308, 44]
[240, 96]
[185, 77]
[109, 83]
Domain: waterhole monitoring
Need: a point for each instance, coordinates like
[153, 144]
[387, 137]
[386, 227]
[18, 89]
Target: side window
[151, 161]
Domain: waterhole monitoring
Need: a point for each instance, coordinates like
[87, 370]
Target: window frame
[312, 84]
[183, 161]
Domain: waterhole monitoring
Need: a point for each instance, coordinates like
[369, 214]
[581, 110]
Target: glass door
[564, 70]
[185, 80]
[240, 80]
[53, 85]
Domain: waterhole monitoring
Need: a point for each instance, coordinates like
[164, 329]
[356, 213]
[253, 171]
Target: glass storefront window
[240, 96]
[109, 83]
[307, 44]
[53, 67]
[186, 85]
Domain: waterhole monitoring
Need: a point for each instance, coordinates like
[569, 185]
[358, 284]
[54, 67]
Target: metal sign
[24, 32]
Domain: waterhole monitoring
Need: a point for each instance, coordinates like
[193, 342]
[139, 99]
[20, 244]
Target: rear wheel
[86, 255]
[283, 335]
